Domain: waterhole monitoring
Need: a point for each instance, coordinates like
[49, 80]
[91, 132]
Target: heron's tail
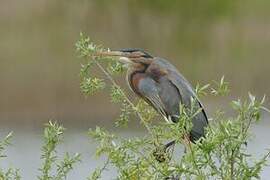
[200, 122]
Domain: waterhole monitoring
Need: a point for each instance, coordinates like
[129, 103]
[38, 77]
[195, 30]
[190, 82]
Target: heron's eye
[142, 54]
[145, 56]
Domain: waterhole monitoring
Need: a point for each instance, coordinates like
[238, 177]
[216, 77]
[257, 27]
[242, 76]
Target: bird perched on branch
[161, 85]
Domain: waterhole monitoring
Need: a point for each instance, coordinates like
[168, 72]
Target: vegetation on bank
[53, 167]
[222, 154]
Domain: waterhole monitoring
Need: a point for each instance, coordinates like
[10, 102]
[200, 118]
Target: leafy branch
[53, 136]
[222, 154]
[10, 173]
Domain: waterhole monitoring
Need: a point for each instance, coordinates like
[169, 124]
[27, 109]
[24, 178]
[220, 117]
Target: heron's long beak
[123, 56]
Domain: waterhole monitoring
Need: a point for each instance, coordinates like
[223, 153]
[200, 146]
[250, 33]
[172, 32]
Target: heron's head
[130, 56]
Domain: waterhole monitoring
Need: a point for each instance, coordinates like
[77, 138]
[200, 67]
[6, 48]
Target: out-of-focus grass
[38, 70]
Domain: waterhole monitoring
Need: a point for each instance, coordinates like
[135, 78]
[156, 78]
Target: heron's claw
[160, 154]
[163, 153]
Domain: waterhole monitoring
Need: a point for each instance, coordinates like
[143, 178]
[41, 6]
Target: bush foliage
[222, 154]
[53, 167]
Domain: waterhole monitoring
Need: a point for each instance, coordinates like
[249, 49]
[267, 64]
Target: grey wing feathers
[163, 95]
[148, 88]
[186, 91]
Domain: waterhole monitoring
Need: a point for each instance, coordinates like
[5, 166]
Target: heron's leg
[169, 144]
[164, 152]
[186, 142]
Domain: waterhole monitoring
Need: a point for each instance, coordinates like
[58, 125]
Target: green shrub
[53, 135]
[52, 168]
[222, 154]
[10, 173]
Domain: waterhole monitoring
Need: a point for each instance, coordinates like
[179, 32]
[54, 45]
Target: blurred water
[25, 151]
[204, 40]
[39, 68]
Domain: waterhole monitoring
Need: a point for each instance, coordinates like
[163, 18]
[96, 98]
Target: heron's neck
[132, 71]
[138, 68]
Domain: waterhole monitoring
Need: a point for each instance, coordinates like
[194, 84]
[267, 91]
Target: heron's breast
[134, 81]
[156, 72]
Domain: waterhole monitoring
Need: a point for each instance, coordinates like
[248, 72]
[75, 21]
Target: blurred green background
[39, 69]
[205, 39]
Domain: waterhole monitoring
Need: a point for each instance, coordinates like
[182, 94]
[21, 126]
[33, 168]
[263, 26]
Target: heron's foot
[160, 154]
[164, 153]
[169, 145]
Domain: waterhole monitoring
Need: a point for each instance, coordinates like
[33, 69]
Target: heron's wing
[149, 90]
[186, 91]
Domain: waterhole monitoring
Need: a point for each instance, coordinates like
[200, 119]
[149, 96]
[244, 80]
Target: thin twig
[232, 165]
[126, 98]
[107, 162]
[188, 144]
